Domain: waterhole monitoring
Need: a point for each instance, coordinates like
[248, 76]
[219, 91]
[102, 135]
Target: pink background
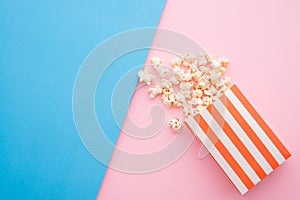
[261, 38]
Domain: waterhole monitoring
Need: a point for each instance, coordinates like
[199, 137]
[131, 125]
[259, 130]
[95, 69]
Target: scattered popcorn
[207, 92]
[180, 98]
[206, 101]
[188, 59]
[191, 82]
[162, 71]
[165, 83]
[197, 93]
[202, 60]
[186, 76]
[154, 91]
[167, 91]
[185, 85]
[176, 62]
[213, 90]
[170, 100]
[155, 61]
[186, 93]
[146, 76]
[174, 81]
[224, 62]
[204, 69]
[215, 63]
[195, 101]
[175, 124]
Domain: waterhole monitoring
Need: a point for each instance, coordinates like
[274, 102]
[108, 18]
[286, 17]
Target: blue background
[42, 44]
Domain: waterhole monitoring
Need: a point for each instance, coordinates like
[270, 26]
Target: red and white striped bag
[238, 139]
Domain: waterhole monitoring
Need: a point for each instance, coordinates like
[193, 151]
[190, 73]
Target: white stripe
[216, 155]
[236, 154]
[243, 136]
[255, 127]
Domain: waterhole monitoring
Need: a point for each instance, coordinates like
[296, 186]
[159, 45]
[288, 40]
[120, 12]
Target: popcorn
[187, 109]
[146, 76]
[187, 76]
[175, 124]
[186, 93]
[193, 83]
[201, 85]
[214, 76]
[174, 81]
[195, 101]
[154, 91]
[155, 61]
[176, 62]
[178, 72]
[165, 83]
[195, 73]
[213, 90]
[162, 71]
[208, 58]
[222, 82]
[167, 91]
[215, 63]
[207, 92]
[180, 98]
[201, 61]
[204, 69]
[197, 93]
[185, 85]
[224, 62]
[188, 58]
[226, 80]
[206, 101]
[197, 110]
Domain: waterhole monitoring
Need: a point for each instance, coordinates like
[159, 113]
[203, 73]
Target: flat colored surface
[261, 38]
[43, 44]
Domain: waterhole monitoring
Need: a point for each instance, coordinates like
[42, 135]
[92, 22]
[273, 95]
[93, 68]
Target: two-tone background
[43, 44]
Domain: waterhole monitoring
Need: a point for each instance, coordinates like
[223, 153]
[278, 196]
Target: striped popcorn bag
[238, 139]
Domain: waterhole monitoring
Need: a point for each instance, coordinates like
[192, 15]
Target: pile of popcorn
[192, 82]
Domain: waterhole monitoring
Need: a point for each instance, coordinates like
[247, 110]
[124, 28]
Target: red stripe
[248, 130]
[285, 153]
[225, 153]
[236, 141]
